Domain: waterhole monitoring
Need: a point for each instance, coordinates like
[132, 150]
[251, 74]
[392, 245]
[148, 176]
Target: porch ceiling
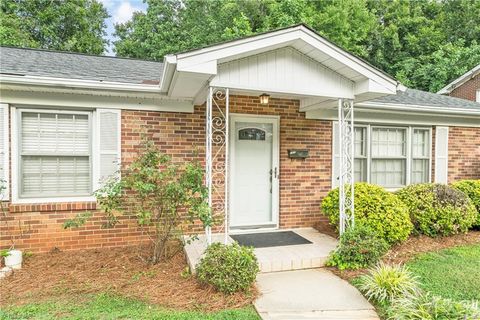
[294, 62]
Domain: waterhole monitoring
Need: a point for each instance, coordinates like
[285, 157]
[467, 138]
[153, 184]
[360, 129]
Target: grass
[450, 273]
[106, 306]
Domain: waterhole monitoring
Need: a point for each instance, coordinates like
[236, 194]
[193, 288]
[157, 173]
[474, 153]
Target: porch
[278, 258]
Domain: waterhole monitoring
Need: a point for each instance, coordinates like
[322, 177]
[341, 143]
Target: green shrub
[472, 189]
[359, 247]
[229, 268]
[425, 306]
[376, 208]
[384, 283]
[437, 209]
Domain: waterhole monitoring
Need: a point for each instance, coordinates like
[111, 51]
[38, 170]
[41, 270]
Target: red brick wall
[302, 182]
[463, 153]
[468, 90]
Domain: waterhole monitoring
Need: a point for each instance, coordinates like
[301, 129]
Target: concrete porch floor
[273, 259]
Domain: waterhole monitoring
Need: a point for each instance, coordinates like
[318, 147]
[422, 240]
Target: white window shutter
[4, 149]
[335, 155]
[108, 143]
[441, 154]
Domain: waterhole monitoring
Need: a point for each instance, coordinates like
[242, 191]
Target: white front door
[254, 172]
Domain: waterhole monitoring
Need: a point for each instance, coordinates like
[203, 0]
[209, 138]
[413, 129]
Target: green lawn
[106, 306]
[450, 273]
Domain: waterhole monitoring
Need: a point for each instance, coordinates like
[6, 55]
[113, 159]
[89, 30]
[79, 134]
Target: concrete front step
[321, 315]
[297, 257]
[274, 259]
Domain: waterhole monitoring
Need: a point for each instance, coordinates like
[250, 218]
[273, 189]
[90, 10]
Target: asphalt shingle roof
[422, 98]
[33, 62]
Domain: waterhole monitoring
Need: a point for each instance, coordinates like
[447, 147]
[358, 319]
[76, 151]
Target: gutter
[418, 108]
[76, 83]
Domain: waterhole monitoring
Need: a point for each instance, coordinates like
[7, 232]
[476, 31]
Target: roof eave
[77, 83]
[460, 80]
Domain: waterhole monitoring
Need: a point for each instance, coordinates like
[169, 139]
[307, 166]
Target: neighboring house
[466, 86]
[67, 119]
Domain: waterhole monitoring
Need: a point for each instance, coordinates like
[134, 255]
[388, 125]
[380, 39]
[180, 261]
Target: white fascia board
[371, 86]
[398, 118]
[420, 109]
[346, 58]
[169, 68]
[205, 60]
[77, 83]
[87, 101]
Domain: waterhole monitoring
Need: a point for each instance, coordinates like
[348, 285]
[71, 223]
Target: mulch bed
[414, 246]
[63, 275]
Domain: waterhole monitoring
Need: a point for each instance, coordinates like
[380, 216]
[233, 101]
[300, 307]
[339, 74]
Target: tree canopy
[424, 43]
[74, 25]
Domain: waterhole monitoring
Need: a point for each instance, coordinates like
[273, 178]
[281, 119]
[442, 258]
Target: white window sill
[54, 200]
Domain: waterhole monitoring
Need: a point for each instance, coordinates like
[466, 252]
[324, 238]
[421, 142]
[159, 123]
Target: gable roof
[420, 99]
[57, 64]
[187, 74]
[460, 80]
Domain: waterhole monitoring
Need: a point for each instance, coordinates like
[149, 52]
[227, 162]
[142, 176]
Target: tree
[432, 72]
[394, 35]
[75, 25]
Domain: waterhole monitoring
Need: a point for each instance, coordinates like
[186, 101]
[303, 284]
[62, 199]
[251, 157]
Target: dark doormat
[270, 239]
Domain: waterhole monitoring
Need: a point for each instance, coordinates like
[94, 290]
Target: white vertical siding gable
[283, 70]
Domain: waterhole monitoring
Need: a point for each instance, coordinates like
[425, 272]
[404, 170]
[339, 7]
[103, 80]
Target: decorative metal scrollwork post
[346, 138]
[216, 164]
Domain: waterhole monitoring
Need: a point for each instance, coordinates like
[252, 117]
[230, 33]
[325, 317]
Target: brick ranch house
[467, 86]
[68, 120]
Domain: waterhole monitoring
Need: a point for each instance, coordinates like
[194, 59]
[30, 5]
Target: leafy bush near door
[164, 197]
[376, 208]
[228, 268]
[359, 247]
[472, 189]
[437, 209]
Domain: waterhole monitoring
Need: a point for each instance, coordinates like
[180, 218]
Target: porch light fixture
[264, 98]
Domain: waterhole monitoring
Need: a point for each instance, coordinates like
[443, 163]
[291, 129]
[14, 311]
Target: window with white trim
[478, 95]
[54, 154]
[392, 156]
[360, 149]
[420, 155]
[388, 156]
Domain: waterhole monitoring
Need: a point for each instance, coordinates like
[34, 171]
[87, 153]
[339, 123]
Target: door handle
[275, 172]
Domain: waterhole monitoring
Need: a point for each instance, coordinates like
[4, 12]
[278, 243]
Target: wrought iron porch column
[217, 155]
[346, 183]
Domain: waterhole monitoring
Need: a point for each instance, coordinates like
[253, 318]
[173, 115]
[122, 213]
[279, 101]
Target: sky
[120, 12]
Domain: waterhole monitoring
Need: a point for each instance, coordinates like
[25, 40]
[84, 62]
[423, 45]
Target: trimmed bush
[472, 189]
[437, 209]
[228, 268]
[359, 247]
[425, 306]
[376, 208]
[387, 282]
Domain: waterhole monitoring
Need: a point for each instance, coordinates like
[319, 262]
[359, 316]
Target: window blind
[55, 154]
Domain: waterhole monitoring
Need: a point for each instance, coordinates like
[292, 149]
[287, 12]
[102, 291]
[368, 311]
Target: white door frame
[275, 121]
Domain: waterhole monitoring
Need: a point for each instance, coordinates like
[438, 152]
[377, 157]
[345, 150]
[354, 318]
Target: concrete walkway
[310, 294]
